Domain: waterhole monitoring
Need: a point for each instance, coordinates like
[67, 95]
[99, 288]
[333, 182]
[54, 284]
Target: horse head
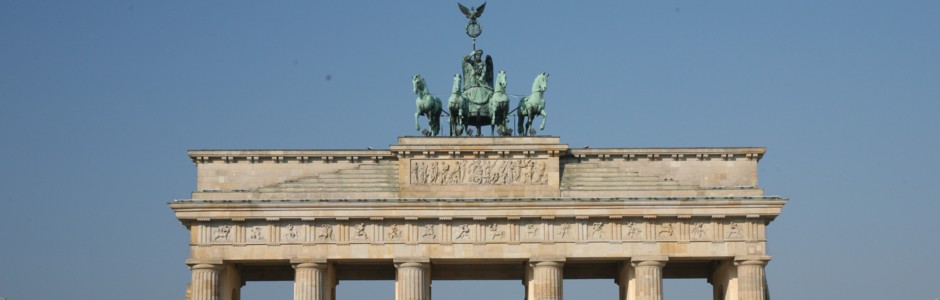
[418, 83]
[457, 82]
[500, 82]
[540, 83]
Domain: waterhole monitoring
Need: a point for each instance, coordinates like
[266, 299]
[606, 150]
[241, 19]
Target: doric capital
[552, 261]
[759, 260]
[301, 260]
[648, 261]
[309, 263]
[412, 262]
[215, 264]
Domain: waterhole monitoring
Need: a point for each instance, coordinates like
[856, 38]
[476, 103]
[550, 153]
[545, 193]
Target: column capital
[760, 260]
[411, 260]
[307, 260]
[653, 261]
[204, 263]
[547, 259]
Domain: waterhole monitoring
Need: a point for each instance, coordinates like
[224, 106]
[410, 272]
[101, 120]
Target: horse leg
[417, 113]
[519, 122]
[544, 117]
[528, 123]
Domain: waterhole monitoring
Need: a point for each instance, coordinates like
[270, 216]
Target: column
[724, 281]
[205, 284]
[648, 277]
[413, 279]
[310, 279]
[751, 280]
[545, 278]
[626, 281]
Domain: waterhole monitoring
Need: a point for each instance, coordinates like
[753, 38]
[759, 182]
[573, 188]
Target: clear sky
[99, 101]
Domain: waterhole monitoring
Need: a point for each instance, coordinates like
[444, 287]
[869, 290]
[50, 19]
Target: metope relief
[326, 233]
[222, 234]
[428, 232]
[666, 231]
[565, 232]
[633, 230]
[496, 232]
[532, 231]
[462, 233]
[479, 172]
[292, 233]
[735, 231]
[256, 233]
[699, 231]
[359, 232]
[395, 232]
[598, 231]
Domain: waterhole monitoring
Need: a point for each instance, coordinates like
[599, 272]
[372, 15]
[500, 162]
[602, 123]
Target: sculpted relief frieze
[479, 172]
[477, 231]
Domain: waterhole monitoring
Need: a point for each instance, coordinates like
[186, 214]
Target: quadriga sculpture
[427, 105]
[533, 105]
[455, 108]
[499, 106]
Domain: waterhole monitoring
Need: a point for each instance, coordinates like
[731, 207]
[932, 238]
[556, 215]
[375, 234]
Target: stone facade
[527, 208]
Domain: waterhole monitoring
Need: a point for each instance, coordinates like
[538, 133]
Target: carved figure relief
[564, 230]
[698, 232]
[326, 232]
[633, 230]
[463, 232]
[394, 233]
[291, 232]
[428, 232]
[360, 232]
[222, 234]
[496, 232]
[667, 230]
[597, 230]
[478, 172]
[532, 231]
[256, 233]
[735, 232]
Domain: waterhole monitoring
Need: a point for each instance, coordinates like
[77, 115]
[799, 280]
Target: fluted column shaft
[547, 280]
[205, 285]
[751, 278]
[310, 281]
[414, 281]
[648, 274]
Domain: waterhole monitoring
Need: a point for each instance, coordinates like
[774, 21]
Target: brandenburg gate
[526, 208]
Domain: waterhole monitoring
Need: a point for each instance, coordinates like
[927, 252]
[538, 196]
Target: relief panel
[395, 232]
[633, 230]
[598, 230]
[667, 231]
[734, 231]
[292, 232]
[497, 232]
[429, 232]
[532, 231]
[479, 172]
[256, 233]
[565, 231]
[699, 230]
[325, 232]
[463, 232]
[360, 232]
[222, 233]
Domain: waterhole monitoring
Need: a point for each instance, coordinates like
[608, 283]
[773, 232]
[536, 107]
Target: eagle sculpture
[472, 13]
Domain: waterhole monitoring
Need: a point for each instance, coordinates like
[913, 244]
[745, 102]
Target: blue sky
[99, 101]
